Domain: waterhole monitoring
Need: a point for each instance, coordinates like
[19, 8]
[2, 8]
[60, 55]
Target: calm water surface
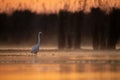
[40, 68]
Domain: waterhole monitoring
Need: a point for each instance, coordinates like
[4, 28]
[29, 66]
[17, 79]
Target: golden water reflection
[60, 71]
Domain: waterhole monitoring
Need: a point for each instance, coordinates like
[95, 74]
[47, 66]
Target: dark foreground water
[54, 66]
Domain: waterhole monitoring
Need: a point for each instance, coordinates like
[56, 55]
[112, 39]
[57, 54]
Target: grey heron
[35, 48]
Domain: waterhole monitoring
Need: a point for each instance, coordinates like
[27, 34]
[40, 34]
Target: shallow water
[58, 67]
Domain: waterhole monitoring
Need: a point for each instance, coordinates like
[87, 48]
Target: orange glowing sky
[54, 6]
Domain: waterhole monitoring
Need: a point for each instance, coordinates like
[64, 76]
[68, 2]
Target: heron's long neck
[38, 38]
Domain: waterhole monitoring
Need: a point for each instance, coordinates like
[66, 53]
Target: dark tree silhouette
[21, 23]
[61, 39]
[114, 30]
[3, 25]
[70, 29]
[78, 27]
[100, 21]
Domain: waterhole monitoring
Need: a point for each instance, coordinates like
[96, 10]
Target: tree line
[103, 28]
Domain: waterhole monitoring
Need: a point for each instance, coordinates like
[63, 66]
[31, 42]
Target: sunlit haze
[54, 6]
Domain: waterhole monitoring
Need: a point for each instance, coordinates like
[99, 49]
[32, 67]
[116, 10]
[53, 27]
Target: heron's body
[35, 48]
